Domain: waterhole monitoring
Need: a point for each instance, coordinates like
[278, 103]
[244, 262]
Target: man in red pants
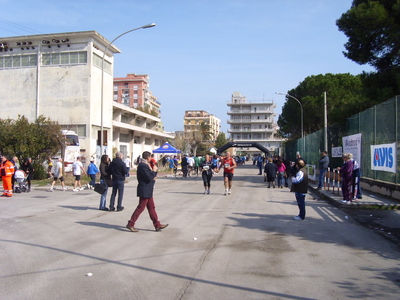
[6, 172]
[146, 178]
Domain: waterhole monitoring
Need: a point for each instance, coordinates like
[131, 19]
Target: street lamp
[102, 80]
[301, 106]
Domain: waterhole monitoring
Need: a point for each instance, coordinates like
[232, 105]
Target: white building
[193, 118]
[253, 122]
[59, 76]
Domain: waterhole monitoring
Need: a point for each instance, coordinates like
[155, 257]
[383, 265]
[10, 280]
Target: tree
[37, 140]
[195, 138]
[343, 100]
[221, 140]
[205, 131]
[373, 30]
[180, 142]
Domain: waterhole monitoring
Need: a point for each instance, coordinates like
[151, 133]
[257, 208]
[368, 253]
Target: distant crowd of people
[276, 170]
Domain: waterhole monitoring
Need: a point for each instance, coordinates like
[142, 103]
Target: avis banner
[383, 157]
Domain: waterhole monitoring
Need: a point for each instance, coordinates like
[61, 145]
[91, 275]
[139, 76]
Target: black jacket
[117, 169]
[270, 169]
[145, 177]
[302, 186]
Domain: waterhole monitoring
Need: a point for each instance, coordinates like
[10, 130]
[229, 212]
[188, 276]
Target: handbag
[109, 182]
[100, 188]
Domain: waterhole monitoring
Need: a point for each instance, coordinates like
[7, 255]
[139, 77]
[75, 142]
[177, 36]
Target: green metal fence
[378, 125]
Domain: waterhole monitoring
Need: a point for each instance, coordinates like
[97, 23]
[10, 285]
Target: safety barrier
[336, 180]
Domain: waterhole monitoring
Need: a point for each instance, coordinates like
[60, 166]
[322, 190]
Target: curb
[356, 204]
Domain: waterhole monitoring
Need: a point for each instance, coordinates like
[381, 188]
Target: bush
[40, 171]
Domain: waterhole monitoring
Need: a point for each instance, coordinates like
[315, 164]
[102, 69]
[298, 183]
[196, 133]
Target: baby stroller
[22, 185]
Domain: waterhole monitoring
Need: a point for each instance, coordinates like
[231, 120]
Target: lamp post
[301, 107]
[102, 81]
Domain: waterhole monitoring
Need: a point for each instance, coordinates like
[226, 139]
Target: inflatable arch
[235, 144]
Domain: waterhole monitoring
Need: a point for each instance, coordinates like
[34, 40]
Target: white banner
[337, 152]
[352, 144]
[383, 157]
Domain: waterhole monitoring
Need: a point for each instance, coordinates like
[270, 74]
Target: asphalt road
[242, 246]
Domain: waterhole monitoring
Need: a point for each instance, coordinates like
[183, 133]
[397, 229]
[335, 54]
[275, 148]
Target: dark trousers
[301, 203]
[321, 178]
[145, 203]
[206, 179]
[92, 179]
[118, 186]
[185, 171]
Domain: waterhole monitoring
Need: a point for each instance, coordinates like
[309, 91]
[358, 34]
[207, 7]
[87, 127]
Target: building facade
[134, 91]
[62, 76]
[193, 118]
[253, 122]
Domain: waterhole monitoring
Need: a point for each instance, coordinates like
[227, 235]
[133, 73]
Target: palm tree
[205, 131]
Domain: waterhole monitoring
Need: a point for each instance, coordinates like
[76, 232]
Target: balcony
[253, 112]
[248, 121]
[258, 130]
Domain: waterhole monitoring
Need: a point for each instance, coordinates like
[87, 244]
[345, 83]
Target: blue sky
[201, 51]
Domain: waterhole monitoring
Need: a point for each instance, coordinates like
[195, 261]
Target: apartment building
[61, 76]
[134, 91]
[193, 118]
[253, 122]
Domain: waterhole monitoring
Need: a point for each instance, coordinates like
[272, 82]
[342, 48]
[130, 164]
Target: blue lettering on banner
[383, 157]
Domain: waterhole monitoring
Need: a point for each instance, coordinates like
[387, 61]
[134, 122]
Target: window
[64, 58]
[55, 58]
[147, 141]
[8, 61]
[25, 60]
[124, 138]
[135, 87]
[136, 139]
[124, 119]
[123, 149]
[16, 61]
[156, 143]
[79, 129]
[97, 62]
[73, 58]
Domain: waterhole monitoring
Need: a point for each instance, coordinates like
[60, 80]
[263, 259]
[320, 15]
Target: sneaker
[226, 192]
[297, 218]
[229, 192]
[208, 192]
[344, 201]
[50, 190]
[75, 190]
[81, 188]
[88, 186]
[64, 189]
[205, 192]
[348, 202]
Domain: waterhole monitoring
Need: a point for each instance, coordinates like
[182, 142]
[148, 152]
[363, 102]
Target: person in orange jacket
[6, 172]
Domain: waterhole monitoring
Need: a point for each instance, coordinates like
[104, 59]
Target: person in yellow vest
[6, 172]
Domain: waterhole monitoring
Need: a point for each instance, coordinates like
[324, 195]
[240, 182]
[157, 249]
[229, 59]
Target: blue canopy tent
[166, 148]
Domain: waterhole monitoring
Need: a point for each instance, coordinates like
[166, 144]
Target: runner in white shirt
[77, 168]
